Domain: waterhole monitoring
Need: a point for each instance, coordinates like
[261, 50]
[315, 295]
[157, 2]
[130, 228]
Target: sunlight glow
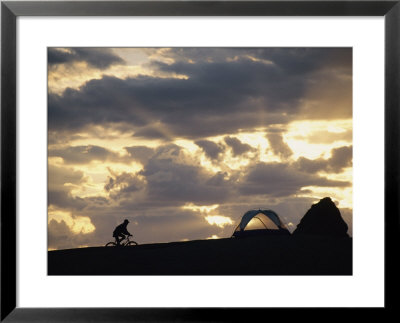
[301, 133]
[188, 145]
[219, 220]
[97, 174]
[343, 196]
[77, 224]
[335, 129]
[214, 236]
[201, 208]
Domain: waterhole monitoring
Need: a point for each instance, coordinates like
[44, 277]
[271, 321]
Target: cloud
[60, 182]
[171, 179]
[59, 176]
[122, 185]
[326, 137]
[340, 159]
[278, 146]
[60, 236]
[84, 154]
[175, 183]
[223, 92]
[100, 58]
[292, 60]
[238, 148]
[219, 96]
[140, 153]
[65, 200]
[279, 180]
[150, 132]
[211, 149]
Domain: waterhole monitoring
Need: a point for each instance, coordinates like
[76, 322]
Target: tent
[260, 222]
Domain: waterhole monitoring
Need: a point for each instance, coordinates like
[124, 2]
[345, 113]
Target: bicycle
[126, 242]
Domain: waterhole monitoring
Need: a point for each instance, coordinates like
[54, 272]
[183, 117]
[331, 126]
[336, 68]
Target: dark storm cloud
[323, 76]
[280, 180]
[84, 154]
[58, 176]
[168, 152]
[238, 148]
[63, 199]
[185, 107]
[123, 185]
[101, 101]
[100, 58]
[150, 132]
[61, 137]
[234, 83]
[59, 193]
[172, 181]
[219, 97]
[61, 180]
[292, 60]
[340, 159]
[301, 61]
[210, 148]
[140, 153]
[168, 179]
[278, 146]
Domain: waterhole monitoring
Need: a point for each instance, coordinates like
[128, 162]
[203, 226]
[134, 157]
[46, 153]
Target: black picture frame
[10, 10]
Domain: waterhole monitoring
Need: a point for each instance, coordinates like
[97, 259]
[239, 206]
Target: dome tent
[260, 222]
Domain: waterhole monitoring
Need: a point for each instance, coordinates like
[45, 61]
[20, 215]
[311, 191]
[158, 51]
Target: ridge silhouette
[313, 249]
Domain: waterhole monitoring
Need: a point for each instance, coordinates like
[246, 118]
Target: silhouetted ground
[323, 218]
[275, 255]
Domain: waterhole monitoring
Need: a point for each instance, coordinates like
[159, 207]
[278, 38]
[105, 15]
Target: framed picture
[235, 140]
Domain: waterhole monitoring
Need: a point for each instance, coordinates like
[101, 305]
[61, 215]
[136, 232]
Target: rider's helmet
[126, 221]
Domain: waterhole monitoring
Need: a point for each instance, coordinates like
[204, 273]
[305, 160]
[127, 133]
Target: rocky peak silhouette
[323, 219]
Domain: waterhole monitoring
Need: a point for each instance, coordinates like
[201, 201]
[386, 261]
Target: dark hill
[322, 219]
[275, 255]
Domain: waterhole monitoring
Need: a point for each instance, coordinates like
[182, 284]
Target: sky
[183, 141]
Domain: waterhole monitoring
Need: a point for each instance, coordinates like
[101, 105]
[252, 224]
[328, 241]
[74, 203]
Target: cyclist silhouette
[120, 232]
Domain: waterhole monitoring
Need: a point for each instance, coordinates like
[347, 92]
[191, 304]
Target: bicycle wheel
[132, 243]
[111, 244]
